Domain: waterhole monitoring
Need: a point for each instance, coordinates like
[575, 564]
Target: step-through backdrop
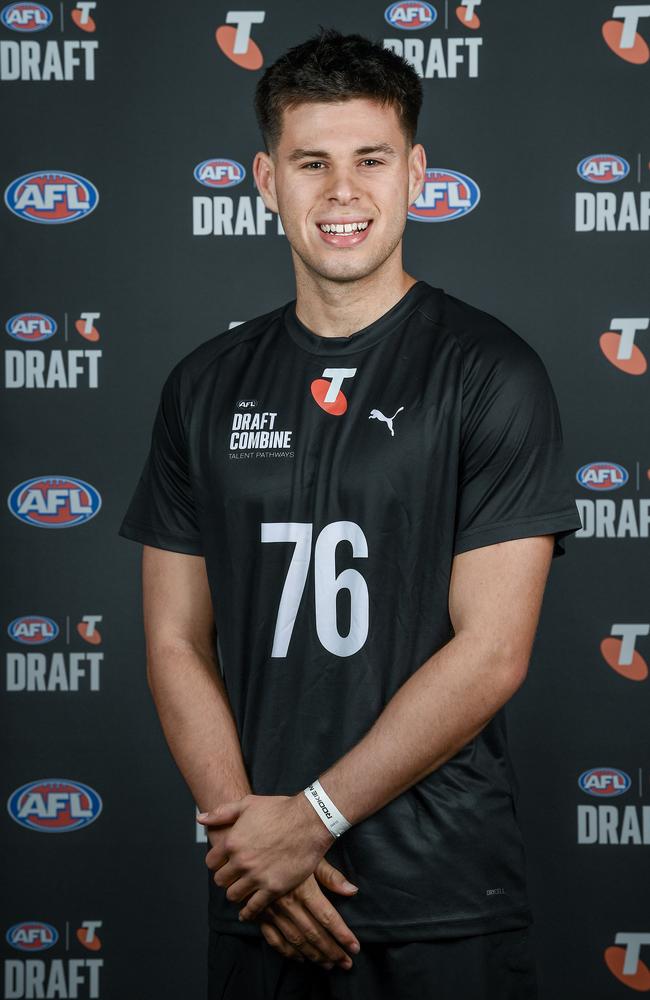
[117, 261]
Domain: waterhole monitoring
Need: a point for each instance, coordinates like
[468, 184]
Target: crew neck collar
[358, 341]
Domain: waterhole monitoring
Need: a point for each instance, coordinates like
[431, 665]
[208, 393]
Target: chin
[345, 273]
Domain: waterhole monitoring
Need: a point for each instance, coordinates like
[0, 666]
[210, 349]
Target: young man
[361, 491]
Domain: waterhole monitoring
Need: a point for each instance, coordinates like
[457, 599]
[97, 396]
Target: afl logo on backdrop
[31, 327]
[54, 501]
[51, 197]
[603, 168]
[602, 476]
[53, 805]
[604, 782]
[410, 16]
[32, 935]
[26, 17]
[219, 173]
[32, 630]
[446, 195]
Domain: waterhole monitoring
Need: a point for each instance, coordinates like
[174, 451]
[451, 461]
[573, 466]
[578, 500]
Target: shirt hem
[526, 527]
[423, 930]
[159, 540]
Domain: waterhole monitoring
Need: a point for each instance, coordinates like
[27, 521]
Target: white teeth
[351, 227]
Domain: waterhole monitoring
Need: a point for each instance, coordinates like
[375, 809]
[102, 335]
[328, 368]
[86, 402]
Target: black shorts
[495, 966]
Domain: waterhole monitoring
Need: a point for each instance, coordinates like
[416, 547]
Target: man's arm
[495, 599]
[185, 679]
[200, 729]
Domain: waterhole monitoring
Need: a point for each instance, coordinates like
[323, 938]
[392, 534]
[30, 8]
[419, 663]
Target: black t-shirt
[328, 482]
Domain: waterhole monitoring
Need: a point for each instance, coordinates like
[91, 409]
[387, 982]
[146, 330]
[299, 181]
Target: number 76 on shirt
[326, 583]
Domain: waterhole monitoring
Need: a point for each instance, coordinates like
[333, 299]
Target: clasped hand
[267, 847]
[272, 846]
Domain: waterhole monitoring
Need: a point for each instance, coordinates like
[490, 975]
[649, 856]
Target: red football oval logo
[319, 390]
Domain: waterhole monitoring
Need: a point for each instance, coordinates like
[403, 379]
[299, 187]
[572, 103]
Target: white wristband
[335, 821]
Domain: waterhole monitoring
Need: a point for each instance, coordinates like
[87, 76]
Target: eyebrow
[322, 154]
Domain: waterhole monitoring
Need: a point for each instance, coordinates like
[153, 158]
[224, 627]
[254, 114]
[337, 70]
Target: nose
[342, 185]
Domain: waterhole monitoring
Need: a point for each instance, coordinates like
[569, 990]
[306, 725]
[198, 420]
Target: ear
[264, 175]
[417, 171]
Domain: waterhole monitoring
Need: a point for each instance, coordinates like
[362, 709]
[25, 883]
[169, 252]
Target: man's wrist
[215, 800]
[318, 832]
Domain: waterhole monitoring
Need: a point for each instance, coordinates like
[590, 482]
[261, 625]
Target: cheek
[295, 214]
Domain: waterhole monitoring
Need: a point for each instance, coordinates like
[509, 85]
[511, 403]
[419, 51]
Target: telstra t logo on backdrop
[236, 42]
[621, 33]
[618, 344]
[619, 651]
[625, 962]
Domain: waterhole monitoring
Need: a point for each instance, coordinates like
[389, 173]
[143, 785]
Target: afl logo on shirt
[327, 391]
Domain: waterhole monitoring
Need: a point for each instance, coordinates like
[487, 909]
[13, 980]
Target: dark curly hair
[330, 66]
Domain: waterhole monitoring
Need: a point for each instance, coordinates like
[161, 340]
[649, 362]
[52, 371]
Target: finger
[327, 916]
[226, 875]
[330, 876]
[227, 812]
[254, 906]
[279, 942]
[295, 936]
[304, 932]
[215, 859]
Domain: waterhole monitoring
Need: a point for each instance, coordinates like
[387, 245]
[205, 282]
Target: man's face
[342, 163]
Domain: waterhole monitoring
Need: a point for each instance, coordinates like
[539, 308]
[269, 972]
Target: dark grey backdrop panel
[127, 892]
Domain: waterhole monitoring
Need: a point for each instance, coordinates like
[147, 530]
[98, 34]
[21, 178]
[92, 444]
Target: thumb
[332, 878]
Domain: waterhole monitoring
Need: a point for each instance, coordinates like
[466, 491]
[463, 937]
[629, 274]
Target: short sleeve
[162, 510]
[514, 480]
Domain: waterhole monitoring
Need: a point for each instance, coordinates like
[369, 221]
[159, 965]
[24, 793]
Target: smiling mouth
[344, 227]
[344, 234]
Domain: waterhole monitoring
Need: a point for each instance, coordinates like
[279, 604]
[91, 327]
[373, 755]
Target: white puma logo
[378, 415]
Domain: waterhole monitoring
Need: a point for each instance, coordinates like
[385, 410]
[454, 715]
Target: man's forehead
[365, 120]
[339, 108]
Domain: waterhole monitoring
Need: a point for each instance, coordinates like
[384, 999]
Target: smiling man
[349, 511]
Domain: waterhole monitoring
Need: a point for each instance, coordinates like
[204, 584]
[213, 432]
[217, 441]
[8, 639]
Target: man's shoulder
[206, 356]
[484, 339]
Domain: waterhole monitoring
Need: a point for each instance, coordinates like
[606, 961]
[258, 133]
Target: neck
[340, 308]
